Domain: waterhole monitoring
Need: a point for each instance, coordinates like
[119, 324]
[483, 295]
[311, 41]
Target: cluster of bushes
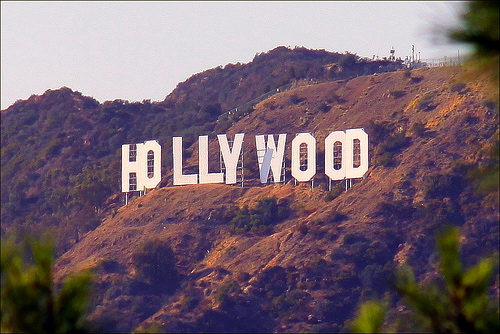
[323, 107]
[277, 291]
[447, 199]
[394, 211]
[267, 212]
[132, 299]
[286, 291]
[156, 266]
[320, 229]
[397, 93]
[337, 189]
[295, 99]
[387, 142]
[418, 129]
[286, 304]
[426, 103]
[459, 87]
[333, 97]
[392, 145]
[283, 291]
[225, 291]
[373, 262]
[447, 185]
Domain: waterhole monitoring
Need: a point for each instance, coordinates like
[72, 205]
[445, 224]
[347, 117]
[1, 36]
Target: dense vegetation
[30, 301]
[261, 218]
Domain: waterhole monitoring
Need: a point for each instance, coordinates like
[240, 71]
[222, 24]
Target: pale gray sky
[142, 50]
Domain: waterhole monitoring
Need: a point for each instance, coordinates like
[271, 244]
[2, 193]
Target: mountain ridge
[308, 270]
[258, 258]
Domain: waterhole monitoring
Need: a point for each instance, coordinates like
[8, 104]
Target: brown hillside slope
[427, 128]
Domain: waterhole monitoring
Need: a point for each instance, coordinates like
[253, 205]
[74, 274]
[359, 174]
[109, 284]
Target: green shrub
[426, 104]
[334, 97]
[418, 129]
[458, 88]
[213, 109]
[287, 303]
[396, 142]
[323, 107]
[223, 293]
[378, 131]
[156, 265]
[303, 228]
[397, 93]
[272, 282]
[295, 99]
[414, 80]
[387, 143]
[188, 303]
[261, 218]
[440, 186]
[335, 192]
[385, 159]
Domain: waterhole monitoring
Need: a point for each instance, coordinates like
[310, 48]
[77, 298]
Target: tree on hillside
[93, 186]
[30, 302]
[156, 265]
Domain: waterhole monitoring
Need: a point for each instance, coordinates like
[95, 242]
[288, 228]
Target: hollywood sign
[346, 157]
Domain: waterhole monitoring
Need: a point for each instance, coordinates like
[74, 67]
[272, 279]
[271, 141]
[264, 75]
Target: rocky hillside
[291, 258]
[60, 151]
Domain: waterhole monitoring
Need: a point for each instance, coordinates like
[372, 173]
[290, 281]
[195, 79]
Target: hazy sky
[142, 50]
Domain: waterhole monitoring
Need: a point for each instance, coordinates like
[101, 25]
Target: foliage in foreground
[30, 302]
[461, 305]
[480, 30]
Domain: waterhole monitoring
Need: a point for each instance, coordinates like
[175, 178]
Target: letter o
[330, 171]
[310, 141]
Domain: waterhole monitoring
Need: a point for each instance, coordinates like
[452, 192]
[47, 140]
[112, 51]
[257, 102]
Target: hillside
[291, 258]
[60, 151]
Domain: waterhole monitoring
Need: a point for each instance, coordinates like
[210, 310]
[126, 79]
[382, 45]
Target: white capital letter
[205, 176]
[356, 153]
[141, 164]
[270, 157]
[179, 178]
[310, 141]
[231, 156]
[150, 152]
[335, 155]
[129, 165]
